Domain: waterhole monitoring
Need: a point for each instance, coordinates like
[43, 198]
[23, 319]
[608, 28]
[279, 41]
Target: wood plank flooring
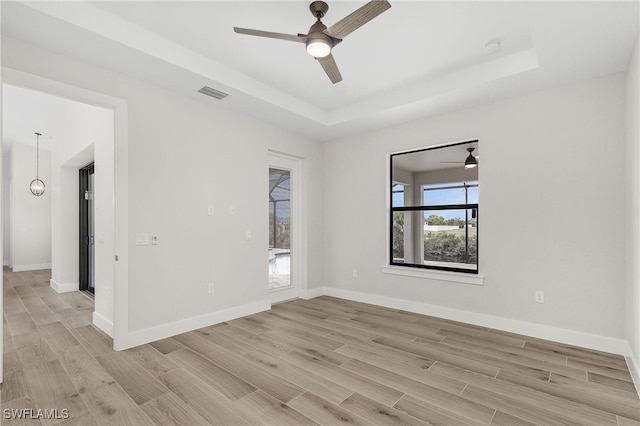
[323, 361]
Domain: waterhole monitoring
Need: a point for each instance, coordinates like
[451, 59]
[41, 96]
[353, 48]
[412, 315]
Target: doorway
[279, 228]
[284, 254]
[87, 229]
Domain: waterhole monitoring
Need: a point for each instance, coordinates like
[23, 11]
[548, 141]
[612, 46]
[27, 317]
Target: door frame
[298, 260]
[122, 337]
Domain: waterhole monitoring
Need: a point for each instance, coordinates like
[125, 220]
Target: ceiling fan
[320, 40]
[469, 163]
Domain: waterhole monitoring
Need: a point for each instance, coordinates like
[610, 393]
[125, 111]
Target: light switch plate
[142, 239]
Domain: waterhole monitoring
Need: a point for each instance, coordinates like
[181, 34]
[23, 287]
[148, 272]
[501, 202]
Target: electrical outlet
[539, 296]
[212, 288]
[210, 210]
[154, 240]
[354, 273]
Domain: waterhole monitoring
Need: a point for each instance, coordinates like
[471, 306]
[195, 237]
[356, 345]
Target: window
[434, 208]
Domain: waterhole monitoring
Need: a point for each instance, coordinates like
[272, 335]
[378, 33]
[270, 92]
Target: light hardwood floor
[323, 361]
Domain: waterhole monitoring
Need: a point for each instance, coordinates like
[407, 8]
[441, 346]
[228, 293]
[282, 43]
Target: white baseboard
[140, 337]
[102, 323]
[570, 337]
[310, 294]
[64, 287]
[634, 369]
[33, 267]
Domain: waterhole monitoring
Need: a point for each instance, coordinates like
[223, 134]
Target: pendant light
[37, 185]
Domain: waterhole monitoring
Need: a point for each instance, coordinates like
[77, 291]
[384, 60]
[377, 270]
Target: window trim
[433, 274]
[421, 270]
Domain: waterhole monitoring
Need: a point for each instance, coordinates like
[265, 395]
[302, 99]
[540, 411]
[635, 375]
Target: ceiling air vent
[209, 91]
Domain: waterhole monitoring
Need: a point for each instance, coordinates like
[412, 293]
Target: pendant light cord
[38, 155]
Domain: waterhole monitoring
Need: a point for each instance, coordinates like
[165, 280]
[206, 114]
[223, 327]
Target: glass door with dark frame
[87, 229]
[279, 229]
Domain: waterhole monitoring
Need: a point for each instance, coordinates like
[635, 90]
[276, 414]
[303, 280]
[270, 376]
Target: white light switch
[142, 239]
[247, 235]
[154, 240]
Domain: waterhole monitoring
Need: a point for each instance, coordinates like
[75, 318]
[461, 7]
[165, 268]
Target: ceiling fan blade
[331, 68]
[356, 19]
[269, 34]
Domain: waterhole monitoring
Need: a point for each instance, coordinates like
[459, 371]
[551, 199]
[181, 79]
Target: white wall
[30, 215]
[184, 155]
[83, 134]
[554, 223]
[633, 212]
[6, 211]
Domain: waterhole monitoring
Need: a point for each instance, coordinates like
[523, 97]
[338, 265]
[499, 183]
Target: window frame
[422, 208]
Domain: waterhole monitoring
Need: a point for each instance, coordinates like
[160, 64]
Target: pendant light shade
[471, 161]
[37, 185]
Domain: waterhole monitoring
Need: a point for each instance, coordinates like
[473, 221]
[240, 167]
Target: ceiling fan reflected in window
[320, 40]
[469, 163]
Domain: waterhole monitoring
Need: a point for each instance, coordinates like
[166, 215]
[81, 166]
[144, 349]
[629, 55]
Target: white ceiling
[445, 157]
[417, 59]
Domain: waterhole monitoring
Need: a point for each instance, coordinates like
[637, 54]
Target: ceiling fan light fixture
[320, 40]
[318, 46]
[470, 162]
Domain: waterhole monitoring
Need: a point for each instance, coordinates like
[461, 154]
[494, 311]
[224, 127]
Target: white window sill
[456, 277]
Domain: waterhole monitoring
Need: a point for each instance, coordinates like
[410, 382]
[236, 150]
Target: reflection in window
[434, 209]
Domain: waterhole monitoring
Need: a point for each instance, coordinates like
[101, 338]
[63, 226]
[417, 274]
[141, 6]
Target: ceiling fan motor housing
[316, 32]
[318, 38]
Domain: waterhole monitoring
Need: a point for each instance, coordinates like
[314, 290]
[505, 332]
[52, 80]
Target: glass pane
[451, 238]
[450, 193]
[279, 228]
[397, 195]
[91, 224]
[398, 236]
